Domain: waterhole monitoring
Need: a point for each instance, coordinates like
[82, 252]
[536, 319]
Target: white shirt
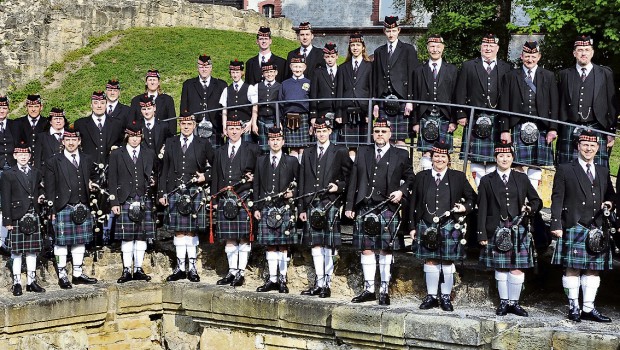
[236, 144]
[297, 78]
[98, 120]
[358, 60]
[502, 173]
[492, 65]
[277, 155]
[533, 71]
[113, 104]
[3, 123]
[438, 62]
[35, 120]
[393, 45]
[334, 69]
[267, 57]
[585, 169]
[588, 69]
[383, 149]
[53, 132]
[190, 138]
[325, 145]
[308, 49]
[155, 94]
[202, 81]
[149, 122]
[252, 93]
[441, 174]
[137, 149]
[70, 156]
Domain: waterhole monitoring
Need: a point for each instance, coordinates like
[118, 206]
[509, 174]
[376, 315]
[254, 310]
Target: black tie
[236, 87]
[24, 169]
[356, 66]
[331, 73]
[58, 136]
[74, 161]
[148, 126]
[438, 179]
[589, 173]
[435, 71]
[273, 162]
[583, 74]
[378, 155]
[232, 153]
[1, 128]
[488, 66]
[390, 50]
[204, 84]
[184, 147]
[505, 179]
[304, 52]
[262, 60]
[268, 85]
[99, 125]
[320, 152]
[110, 110]
[34, 124]
[135, 156]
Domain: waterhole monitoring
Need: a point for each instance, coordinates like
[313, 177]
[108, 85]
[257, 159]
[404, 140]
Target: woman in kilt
[380, 177]
[130, 176]
[504, 196]
[21, 195]
[68, 177]
[268, 90]
[297, 134]
[437, 191]
[582, 190]
[184, 171]
[275, 173]
[354, 81]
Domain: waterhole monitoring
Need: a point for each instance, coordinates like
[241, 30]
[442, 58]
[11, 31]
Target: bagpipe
[275, 214]
[431, 237]
[318, 212]
[601, 240]
[371, 222]
[231, 205]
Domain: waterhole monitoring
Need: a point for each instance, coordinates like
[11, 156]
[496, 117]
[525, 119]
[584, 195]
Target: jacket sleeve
[483, 192]
[557, 199]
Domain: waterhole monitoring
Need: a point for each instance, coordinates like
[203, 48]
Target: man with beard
[114, 108]
[380, 172]
[253, 74]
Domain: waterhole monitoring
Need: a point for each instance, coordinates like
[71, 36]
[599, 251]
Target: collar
[3, 122]
[334, 68]
[588, 68]
[35, 120]
[383, 149]
[394, 44]
[155, 94]
[28, 168]
[152, 121]
[502, 173]
[236, 144]
[430, 63]
[269, 82]
[53, 131]
[441, 174]
[70, 155]
[190, 138]
[484, 62]
[239, 84]
[131, 149]
[96, 119]
[201, 80]
[277, 155]
[113, 104]
[525, 69]
[299, 77]
[267, 57]
[308, 49]
[325, 146]
[583, 163]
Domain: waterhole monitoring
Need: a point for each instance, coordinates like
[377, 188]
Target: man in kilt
[298, 131]
[323, 85]
[479, 85]
[131, 177]
[49, 142]
[33, 123]
[233, 169]
[184, 172]
[354, 81]
[21, 195]
[68, 177]
[433, 82]
[165, 103]
[531, 90]
[392, 73]
[275, 176]
[312, 55]
[582, 190]
[114, 108]
[380, 178]
[154, 132]
[505, 196]
[242, 94]
[587, 98]
[325, 169]
[268, 90]
[9, 136]
[437, 191]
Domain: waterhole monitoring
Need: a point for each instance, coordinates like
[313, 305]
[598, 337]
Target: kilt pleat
[450, 248]
[566, 145]
[186, 223]
[300, 137]
[571, 252]
[237, 228]
[539, 153]
[330, 236]
[276, 236]
[363, 241]
[399, 123]
[264, 123]
[68, 233]
[21, 243]
[444, 135]
[493, 258]
[127, 230]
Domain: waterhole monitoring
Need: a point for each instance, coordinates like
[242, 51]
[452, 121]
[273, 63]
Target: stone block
[107, 338]
[444, 329]
[244, 308]
[283, 342]
[139, 333]
[134, 322]
[348, 322]
[213, 338]
[515, 337]
[306, 316]
[568, 340]
[146, 298]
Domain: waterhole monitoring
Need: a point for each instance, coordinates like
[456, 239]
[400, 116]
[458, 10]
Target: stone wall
[35, 34]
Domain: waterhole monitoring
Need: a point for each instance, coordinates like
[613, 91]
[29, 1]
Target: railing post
[470, 124]
[277, 114]
[370, 116]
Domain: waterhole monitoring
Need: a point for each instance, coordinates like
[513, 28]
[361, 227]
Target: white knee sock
[515, 285]
[589, 287]
[181, 249]
[232, 254]
[571, 288]
[60, 251]
[77, 253]
[244, 255]
[329, 265]
[283, 263]
[17, 268]
[501, 278]
[448, 278]
[319, 265]
[385, 264]
[127, 248]
[535, 176]
[191, 244]
[272, 263]
[31, 266]
[369, 267]
[431, 274]
[139, 248]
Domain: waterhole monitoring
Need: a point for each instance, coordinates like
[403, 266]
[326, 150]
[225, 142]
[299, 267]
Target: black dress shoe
[176, 275]
[283, 287]
[125, 276]
[83, 279]
[139, 275]
[364, 297]
[192, 276]
[574, 314]
[502, 309]
[517, 310]
[268, 286]
[17, 290]
[64, 283]
[429, 302]
[446, 303]
[316, 290]
[34, 287]
[595, 316]
[238, 280]
[384, 299]
[226, 280]
[325, 292]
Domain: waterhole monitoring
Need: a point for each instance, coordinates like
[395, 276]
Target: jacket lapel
[369, 161]
[582, 178]
[597, 75]
[482, 74]
[428, 77]
[127, 160]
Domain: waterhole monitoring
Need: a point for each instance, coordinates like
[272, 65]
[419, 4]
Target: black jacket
[58, 176]
[397, 69]
[179, 167]
[225, 174]
[194, 99]
[423, 83]
[353, 86]
[254, 73]
[287, 169]
[122, 171]
[20, 193]
[165, 110]
[93, 144]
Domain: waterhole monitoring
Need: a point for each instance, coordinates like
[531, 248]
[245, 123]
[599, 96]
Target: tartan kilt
[185, 223]
[264, 123]
[399, 123]
[353, 136]
[571, 251]
[300, 137]
[566, 146]
[127, 230]
[21, 243]
[270, 236]
[235, 229]
[362, 241]
[450, 249]
[330, 236]
[539, 153]
[444, 136]
[493, 258]
[68, 233]
[482, 150]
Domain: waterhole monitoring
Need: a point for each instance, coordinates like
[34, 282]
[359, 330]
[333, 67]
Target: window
[268, 10]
